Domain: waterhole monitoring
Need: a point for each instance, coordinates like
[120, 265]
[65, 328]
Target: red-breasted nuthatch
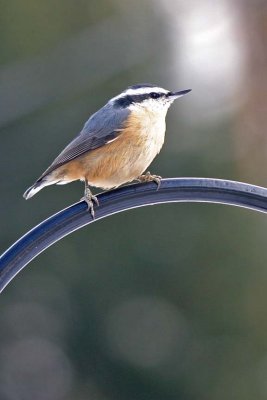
[116, 144]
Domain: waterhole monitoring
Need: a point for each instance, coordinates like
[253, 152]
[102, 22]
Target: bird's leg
[148, 177]
[90, 199]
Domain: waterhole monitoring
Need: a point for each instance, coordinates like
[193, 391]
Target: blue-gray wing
[102, 127]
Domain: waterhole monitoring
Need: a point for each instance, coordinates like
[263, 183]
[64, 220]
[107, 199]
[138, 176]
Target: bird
[116, 145]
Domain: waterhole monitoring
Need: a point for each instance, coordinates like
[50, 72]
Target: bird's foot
[148, 177]
[90, 199]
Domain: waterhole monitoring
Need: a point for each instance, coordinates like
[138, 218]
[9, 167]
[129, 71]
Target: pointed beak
[176, 95]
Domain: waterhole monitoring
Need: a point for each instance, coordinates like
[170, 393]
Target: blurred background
[165, 302]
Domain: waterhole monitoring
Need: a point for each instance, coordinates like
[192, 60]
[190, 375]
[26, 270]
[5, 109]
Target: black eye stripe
[127, 100]
[155, 95]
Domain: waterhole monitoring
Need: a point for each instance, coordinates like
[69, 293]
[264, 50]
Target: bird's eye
[155, 95]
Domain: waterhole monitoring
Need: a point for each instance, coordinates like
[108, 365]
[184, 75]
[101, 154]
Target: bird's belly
[119, 161]
[110, 168]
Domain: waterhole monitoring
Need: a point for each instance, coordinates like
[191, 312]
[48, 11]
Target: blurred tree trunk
[251, 128]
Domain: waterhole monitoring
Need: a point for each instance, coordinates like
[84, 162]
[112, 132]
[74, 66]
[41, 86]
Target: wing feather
[102, 127]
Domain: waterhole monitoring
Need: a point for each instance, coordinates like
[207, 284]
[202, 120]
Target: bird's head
[150, 97]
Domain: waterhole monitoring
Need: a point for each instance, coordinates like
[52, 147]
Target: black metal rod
[124, 198]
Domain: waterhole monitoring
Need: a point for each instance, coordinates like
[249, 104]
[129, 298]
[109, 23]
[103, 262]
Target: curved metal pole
[124, 198]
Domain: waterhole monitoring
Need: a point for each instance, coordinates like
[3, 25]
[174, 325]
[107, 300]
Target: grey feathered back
[101, 127]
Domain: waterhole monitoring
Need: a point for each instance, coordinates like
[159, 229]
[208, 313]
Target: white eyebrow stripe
[140, 91]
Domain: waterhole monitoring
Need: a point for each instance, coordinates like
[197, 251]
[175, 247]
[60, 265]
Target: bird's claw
[148, 177]
[90, 200]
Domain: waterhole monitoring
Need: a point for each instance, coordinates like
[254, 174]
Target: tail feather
[36, 187]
